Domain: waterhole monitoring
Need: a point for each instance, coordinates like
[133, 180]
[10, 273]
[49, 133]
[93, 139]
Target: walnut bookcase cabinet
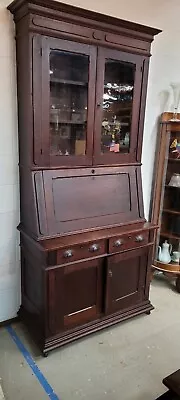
[86, 248]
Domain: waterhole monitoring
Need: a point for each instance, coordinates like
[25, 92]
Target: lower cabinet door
[126, 279]
[74, 294]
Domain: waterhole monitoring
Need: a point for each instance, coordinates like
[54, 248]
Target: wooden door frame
[138, 60]
[65, 161]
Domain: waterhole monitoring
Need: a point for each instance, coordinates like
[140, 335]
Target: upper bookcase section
[83, 81]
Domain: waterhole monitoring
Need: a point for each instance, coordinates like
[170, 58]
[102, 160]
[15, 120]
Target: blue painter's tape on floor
[42, 380]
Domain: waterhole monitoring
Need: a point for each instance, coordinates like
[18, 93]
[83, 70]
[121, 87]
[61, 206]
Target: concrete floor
[126, 362]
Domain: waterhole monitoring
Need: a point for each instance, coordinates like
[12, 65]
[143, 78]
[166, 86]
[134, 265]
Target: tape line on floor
[38, 374]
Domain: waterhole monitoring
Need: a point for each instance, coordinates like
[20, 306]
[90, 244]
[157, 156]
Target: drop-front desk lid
[69, 201]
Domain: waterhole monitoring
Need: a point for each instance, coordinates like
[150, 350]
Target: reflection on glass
[68, 102]
[117, 106]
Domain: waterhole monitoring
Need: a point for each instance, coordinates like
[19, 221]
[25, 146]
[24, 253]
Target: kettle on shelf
[164, 252]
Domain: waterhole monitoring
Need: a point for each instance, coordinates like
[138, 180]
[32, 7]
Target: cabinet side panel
[33, 287]
[28, 216]
[24, 88]
[25, 126]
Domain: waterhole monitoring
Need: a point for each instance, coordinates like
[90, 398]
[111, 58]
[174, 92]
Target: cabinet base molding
[79, 332]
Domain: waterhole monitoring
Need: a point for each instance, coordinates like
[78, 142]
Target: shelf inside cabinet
[170, 159]
[69, 122]
[68, 82]
[169, 235]
[172, 187]
[167, 210]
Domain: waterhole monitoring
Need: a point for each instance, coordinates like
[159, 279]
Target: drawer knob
[110, 273]
[94, 247]
[118, 243]
[68, 253]
[139, 238]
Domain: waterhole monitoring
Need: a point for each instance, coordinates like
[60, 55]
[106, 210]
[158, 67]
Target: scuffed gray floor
[126, 362]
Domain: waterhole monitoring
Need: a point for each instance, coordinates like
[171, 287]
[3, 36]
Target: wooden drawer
[128, 242]
[87, 250]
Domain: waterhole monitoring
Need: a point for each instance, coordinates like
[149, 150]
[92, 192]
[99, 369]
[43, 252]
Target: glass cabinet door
[167, 252]
[70, 84]
[118, 100]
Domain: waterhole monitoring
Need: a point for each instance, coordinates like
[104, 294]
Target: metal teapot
[164, 253]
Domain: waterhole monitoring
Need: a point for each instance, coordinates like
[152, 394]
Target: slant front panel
[76, 201]
[82, 196]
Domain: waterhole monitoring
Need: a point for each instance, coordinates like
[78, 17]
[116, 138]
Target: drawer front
[87, 250]
[127, 242]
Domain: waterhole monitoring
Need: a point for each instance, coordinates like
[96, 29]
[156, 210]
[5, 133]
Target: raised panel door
[75, 294]
[126, 279]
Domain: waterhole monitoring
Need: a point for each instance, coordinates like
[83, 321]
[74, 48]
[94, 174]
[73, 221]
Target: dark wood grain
[74, 209]
[74, 198]
[122, 293]
[83, 302]
[84, 237]
[128, 242]
[49, 6]
[87, 250]
[173, 382]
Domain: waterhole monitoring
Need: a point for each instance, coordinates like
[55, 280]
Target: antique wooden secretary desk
[85, 245]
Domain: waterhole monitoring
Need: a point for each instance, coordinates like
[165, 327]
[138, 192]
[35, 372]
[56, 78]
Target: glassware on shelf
[176, 98]
[175, 180]
[117, 106]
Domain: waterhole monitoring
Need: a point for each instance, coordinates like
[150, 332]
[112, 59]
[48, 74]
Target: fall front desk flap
[68, 201]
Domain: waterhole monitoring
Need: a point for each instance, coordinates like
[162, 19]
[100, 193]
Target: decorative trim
[52, 8]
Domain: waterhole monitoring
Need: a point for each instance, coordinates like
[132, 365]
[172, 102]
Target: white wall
[9, 203]
[164, 68]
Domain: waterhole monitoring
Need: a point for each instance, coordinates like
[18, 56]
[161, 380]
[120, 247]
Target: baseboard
[9, 321]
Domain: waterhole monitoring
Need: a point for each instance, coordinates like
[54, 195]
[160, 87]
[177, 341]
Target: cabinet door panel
[119, 81]
[126, 279]
[68, 95]
[75, 292]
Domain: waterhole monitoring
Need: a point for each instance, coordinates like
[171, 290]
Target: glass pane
[117, 106]
[68, 102]
[169, 235]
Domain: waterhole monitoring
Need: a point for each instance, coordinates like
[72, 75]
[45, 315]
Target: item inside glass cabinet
[117, 106]
[164, 252]
[167, 200]
[68, 78]
[175, 180]
[176, 98]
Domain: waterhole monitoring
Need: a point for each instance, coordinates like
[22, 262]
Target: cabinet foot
[45, 354]
[148, 312]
